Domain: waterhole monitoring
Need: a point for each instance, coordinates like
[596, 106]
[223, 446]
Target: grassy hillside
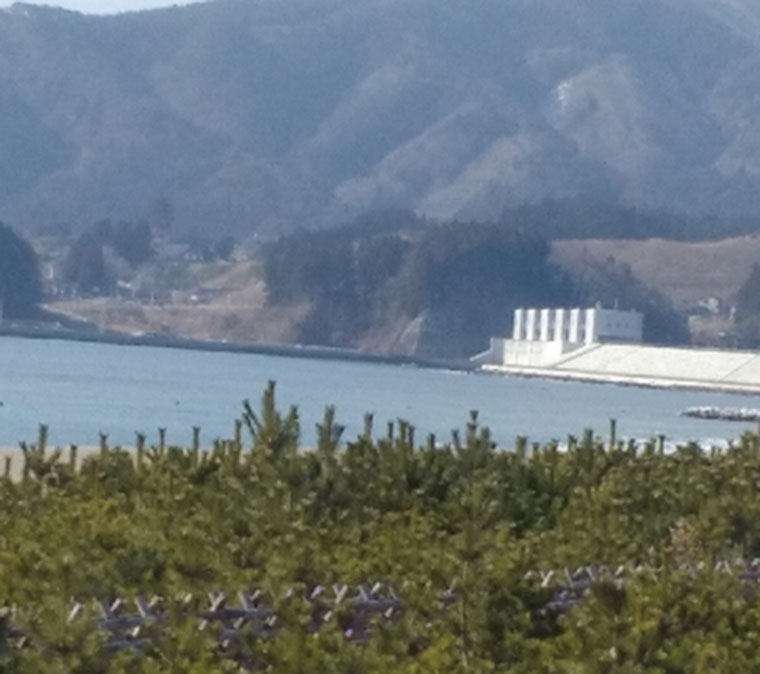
[685, 272]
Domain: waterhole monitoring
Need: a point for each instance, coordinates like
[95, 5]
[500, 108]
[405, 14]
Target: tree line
[20, 280]
[588, 218]
[465, 277]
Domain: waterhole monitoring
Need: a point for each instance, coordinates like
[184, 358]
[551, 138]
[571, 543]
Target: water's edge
[37, 331]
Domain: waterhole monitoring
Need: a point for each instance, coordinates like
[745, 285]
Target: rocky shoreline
[723, 413]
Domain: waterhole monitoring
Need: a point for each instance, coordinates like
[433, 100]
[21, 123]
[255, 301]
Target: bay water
[81, 388]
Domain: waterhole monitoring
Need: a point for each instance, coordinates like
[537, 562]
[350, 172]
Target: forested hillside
[388, 283]
[20, 283]
[439, 290]
[262, 117]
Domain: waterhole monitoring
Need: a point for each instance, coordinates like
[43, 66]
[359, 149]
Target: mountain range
[266, 116]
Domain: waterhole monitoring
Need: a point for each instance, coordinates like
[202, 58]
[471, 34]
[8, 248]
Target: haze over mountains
[265, 116]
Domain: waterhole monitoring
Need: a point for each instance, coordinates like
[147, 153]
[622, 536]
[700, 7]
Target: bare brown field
[233, 308]
[685, 272]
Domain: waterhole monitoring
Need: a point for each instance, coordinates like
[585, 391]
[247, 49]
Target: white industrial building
[543, 337]
[576, 325]
[605, 345]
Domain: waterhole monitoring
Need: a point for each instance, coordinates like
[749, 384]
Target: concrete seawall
[653, 366]
[44, 331]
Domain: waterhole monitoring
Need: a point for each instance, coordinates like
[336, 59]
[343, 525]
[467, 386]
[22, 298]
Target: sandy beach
[16, 458]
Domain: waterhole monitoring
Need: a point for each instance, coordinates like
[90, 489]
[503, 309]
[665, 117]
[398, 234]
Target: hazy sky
[106, 6]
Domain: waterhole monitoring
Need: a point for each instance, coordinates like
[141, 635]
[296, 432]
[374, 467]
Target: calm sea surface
[79, 389]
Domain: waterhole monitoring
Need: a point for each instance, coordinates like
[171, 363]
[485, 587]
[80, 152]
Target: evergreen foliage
[84, 265]
[471, 274]
[132, 241]
[463, 279]
[748, 297]
[610, 283]
[459, 529]
[20, 286]
[342, 277]
[748, 310]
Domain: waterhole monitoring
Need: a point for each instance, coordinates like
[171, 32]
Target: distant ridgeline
[263, 116]
[585, 218]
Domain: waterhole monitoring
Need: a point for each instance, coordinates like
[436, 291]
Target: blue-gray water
[79, 389]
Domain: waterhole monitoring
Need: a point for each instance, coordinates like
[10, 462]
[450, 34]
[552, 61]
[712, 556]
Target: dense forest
[20, 283]
[464, 276]
[385, 552]
[85, 267]
[461, 281]
[747, 312]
